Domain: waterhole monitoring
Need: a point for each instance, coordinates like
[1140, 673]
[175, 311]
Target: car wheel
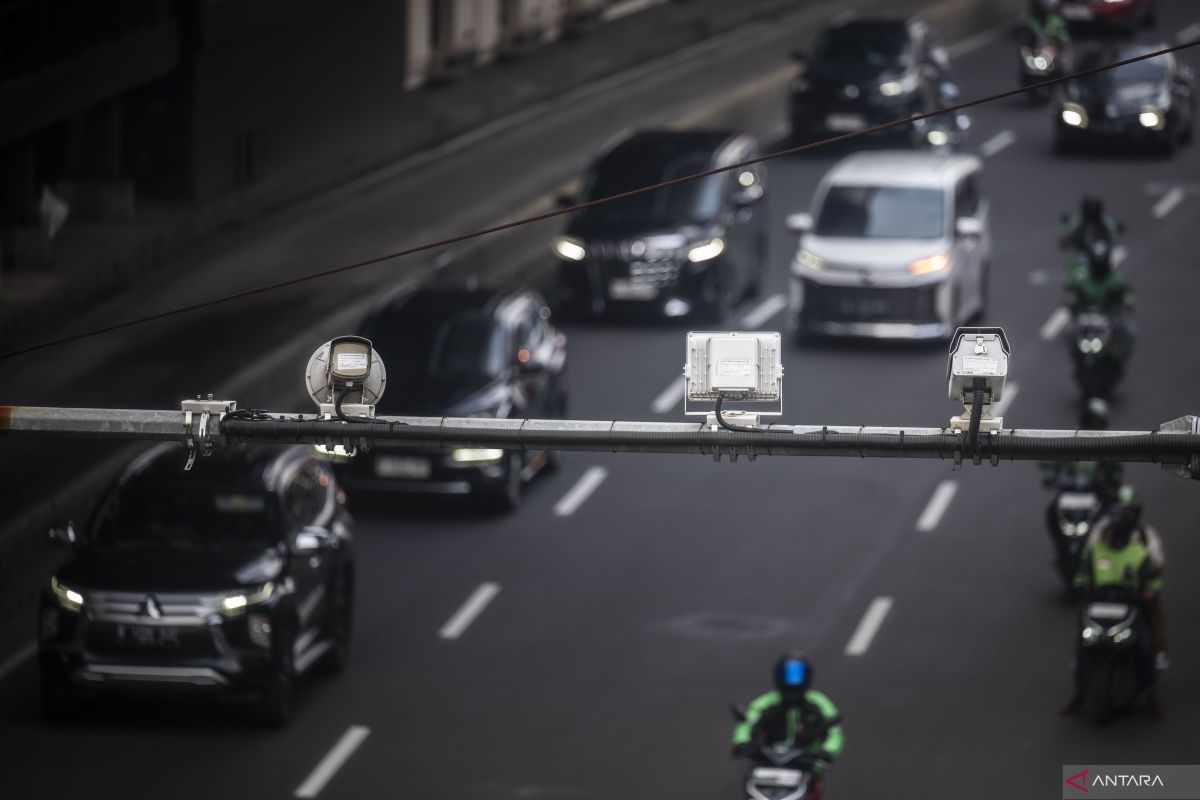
[341, 626]
[507, 496]
[1170, 142]
[275, 704]
[58, 704]
[1061, 146]
[1151, 18]
[755, 287]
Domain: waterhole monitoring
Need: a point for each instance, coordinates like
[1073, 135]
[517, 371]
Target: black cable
[979, 388]
[249, 414]
[589, 204]
[337, 408]
[726, 425]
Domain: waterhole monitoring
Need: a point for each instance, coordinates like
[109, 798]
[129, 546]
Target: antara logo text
[1114, 779]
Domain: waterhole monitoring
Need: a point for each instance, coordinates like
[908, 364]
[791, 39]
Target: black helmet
[1094, 416]
[1091, 208]
[793, 676]
[1125, 517]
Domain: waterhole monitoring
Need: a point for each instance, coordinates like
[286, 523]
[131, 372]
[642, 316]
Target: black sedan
[864, 72]
[464, 353]
[1149, 104]
[231, 580]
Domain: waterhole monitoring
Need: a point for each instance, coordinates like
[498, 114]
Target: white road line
[1188, 34]
[937, 506]
[1055, 324]
[669, 398]
[997, 143]
[764, 311]
[1011, 389]
[17, 659]
[471, 609]
[867, 628]
[618, 10]
[580, 492]
[333, 761]
[1168, 202]
[973, 43]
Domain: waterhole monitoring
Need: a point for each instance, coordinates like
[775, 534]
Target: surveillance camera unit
[346, 378]
[977, 368]
[745, 366]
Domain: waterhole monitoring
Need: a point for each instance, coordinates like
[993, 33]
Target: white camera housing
[977, 353]
[347, 365]
[743, 366]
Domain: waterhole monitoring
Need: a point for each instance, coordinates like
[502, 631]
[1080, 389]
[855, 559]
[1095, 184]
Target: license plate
[1080, 12]
[623, 289]
[1108, 611]
[1078, 501]
[864, 307]
[402, 467]
[845, 122]
[148, 635]
[773, 776]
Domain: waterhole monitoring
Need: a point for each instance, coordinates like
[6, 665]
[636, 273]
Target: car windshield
[1153, 70]
[423, 347]
[872, 45]
[882, 212]
[178, 517]
[692, 202]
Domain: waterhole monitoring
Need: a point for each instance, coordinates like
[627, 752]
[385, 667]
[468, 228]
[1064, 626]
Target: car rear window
[882, 212]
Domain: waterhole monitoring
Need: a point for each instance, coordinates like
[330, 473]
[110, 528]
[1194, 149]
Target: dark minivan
[463, 353]
[232, 579]
[695, 247]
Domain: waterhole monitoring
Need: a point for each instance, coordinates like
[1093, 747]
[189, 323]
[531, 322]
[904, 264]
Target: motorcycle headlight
[237, 602]
[67, 598]
[476, 455]
[706, 251]
[1075, 115]
[1092, 633]
[569, 249]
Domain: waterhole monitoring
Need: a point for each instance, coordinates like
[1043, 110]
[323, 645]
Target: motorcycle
[1041, 60]
[785, 771]
[1098, 366]
[942, 133]
[1110, 646]
[1070, 517]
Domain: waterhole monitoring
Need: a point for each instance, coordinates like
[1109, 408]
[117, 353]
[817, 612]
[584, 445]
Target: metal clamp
[206, 408]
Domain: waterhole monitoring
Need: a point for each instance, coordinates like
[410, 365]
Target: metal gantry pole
[201, 425]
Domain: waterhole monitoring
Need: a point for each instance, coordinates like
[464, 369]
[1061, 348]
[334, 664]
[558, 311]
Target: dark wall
[280, 84]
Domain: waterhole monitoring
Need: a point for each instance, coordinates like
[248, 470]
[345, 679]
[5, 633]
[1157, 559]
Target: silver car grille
[642, 265]
[174, 609]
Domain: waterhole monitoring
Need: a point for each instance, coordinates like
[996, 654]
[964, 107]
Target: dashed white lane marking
[1188, 34]
[997, 143]
[1168, 203]
[869, 625]
[669, 398]
[1055, 324]
[18, 658]
[589, 482]
[1010, 394]
[333, 761]
[471, 609]
[1039, 277]
[937, 505]
[764, 311]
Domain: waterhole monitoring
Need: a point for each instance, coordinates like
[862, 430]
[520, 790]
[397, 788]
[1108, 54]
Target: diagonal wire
[366, 262]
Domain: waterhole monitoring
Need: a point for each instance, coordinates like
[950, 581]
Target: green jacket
[778, 723]
[1054, 27]
[1131, 568]
[1084, 291]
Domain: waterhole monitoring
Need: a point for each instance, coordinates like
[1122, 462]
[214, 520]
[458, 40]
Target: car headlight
[1152, 118]
[476, 455]
[938, 138]
[235, 603]
[810, 260]
[67, 597]
[706, 251]
[569, 249]
[927, 265]
[1075, 115]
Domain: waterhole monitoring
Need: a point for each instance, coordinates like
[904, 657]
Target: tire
[341, 626]
[274, 707]
[507, 496]
[1170, 143]
[1098, 694]
[755, 287]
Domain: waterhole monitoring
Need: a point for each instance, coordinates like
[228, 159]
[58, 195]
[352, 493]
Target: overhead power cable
[257, 290]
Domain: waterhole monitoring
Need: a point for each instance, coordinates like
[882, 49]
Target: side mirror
[566, 200]
[969, 226]
[738, 711]
[64, 535]
[312, 539]
[801, 222]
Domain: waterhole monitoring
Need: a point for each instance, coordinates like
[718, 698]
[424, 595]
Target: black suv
[693, 247]
[463, 353]
[865, 72]
[232, 579]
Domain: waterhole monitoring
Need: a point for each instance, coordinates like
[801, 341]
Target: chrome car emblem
[151, 608]
[851, 91]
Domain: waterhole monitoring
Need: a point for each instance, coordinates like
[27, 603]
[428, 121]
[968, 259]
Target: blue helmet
[793, 675]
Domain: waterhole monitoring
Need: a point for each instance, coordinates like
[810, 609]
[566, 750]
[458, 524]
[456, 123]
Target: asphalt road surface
[588, 645]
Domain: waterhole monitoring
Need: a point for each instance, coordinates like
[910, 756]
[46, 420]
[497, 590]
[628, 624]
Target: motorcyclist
[1125, 557]
[1103, 476]
[1091, 223]
[1044, 20]
[779, 716]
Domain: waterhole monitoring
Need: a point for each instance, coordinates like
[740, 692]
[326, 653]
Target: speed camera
[346, 377]
[978, 363]
[733, 366]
